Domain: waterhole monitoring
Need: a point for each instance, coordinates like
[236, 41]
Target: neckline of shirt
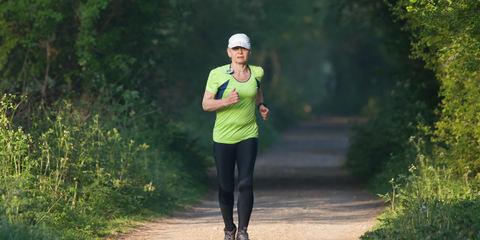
[248, 77]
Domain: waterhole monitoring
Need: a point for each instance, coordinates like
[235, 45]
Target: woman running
[233, 91]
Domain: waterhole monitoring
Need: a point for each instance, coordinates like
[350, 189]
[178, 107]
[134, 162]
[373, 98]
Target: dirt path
[301, 193]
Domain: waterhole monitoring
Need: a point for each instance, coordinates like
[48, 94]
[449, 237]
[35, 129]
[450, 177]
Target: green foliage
[444, 221]
[439, 198]
[120, 132]
[73, 173]
[430, 203]
[111, 107]
[379, 148]
[446, 39]
[74, 48]
[9, 231]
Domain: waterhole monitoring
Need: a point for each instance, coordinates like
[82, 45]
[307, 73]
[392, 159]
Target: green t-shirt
[235, 122]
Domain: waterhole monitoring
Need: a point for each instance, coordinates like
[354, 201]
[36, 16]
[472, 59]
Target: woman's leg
[246, 155]
[224, 155]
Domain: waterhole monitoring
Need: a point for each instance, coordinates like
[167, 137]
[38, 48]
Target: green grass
[431, 202]
[86, 172]
[9, 231]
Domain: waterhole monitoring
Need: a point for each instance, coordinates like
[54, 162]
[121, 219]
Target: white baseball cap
[239, 40]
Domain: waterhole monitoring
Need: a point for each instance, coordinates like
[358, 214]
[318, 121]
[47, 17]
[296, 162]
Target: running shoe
[230, 235]
[242, 234]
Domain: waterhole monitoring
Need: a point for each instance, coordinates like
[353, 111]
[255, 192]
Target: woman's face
[239, 55]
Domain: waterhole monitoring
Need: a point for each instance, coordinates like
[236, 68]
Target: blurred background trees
[78, 49]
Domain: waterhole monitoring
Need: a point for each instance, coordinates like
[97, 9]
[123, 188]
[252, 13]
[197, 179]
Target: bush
[380, 148]
[444, 221]
[439, 198]
[9, 231]
[430, 203]
[74, 173]
[445, 40]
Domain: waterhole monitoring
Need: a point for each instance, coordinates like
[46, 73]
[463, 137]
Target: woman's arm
[259, 97]
[211, 104]
[263, 109]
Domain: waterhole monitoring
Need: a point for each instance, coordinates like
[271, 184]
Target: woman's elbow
[205, 107]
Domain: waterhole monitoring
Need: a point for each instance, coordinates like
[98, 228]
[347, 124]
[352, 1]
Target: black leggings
[244, 154]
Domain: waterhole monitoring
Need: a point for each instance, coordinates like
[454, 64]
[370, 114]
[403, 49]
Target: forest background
[101, 120]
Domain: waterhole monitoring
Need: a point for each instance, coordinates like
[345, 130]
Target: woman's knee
[245, 185]
[226, 188]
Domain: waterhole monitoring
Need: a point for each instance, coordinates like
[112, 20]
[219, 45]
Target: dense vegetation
[101, 119]
[422, 142]
[101, 122]
[85, 147]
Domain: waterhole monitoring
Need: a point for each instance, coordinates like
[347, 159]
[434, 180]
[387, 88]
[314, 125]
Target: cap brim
[239, 44]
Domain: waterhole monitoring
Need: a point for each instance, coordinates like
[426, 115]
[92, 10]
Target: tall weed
[74, 172]
[432, 202]
[10, 231]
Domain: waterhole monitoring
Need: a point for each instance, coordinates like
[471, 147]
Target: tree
[447, 38]
[78, 49]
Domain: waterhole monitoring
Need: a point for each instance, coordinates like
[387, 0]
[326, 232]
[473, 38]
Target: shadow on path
[301, 192]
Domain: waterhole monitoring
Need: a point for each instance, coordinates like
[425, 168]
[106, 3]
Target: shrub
[73, 172]
[380, 148]
[444, 37]
[9, 231]
[430, 203]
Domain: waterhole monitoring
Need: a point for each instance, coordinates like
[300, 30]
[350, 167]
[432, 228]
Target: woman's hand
[262, 108]
[211, 104]
[264, 111]
[232, 97]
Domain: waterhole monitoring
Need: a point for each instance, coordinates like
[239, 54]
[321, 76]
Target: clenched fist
[232, 97]
[264, 111]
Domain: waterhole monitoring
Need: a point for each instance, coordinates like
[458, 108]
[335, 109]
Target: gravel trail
[301, 193]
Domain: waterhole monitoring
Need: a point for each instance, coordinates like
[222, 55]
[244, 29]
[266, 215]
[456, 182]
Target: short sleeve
[212, 82]
[258, 74]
